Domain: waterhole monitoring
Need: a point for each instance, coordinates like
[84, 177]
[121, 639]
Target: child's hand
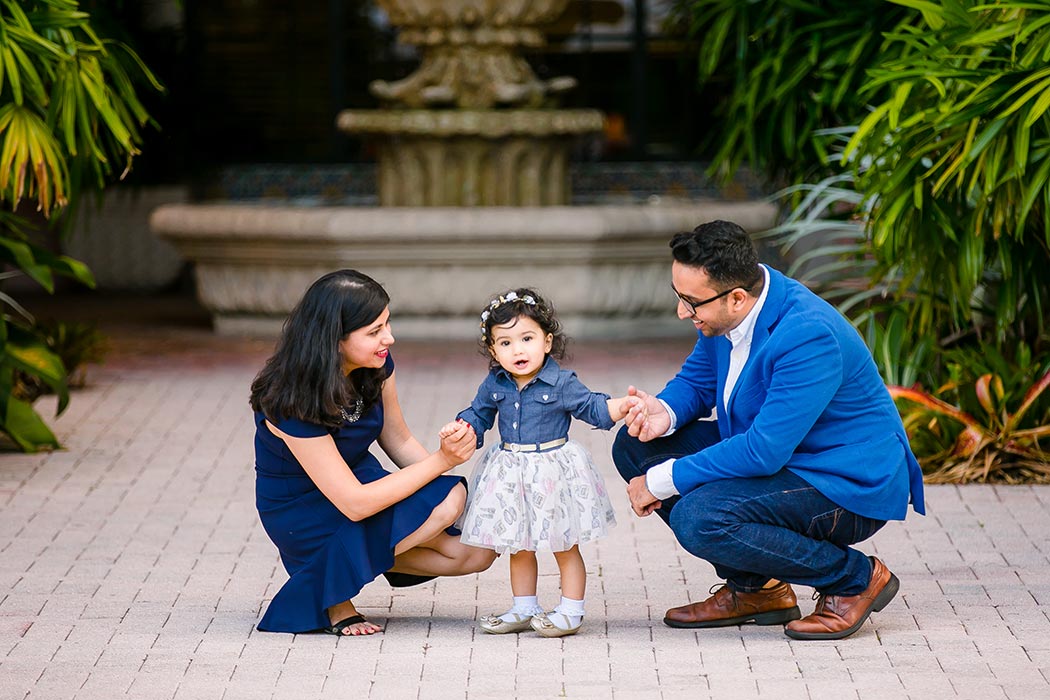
[449, 428]
[618, 408]
[458, 446]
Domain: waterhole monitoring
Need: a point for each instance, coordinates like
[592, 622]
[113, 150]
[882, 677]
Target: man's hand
[646, 418]
[643, 503]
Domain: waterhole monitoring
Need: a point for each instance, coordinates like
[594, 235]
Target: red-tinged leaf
[984, 394]
[1029, 398]
[932, 402]
[969, 442]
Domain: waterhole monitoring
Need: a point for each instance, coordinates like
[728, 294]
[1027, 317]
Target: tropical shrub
[955, 159]
[76, 345]
[956, 166]
[989, 422]
[785, 71]
[69, 119]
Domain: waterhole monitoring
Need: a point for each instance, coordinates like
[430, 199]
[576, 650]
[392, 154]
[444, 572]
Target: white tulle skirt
[536, 501]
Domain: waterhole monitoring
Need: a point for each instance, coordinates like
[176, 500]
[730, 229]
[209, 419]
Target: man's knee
[702, 529]
[625, 455]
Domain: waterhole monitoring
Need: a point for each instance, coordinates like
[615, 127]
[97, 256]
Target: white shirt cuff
[659, 482]
[674, 420]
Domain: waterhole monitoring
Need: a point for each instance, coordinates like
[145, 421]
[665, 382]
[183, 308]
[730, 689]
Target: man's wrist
[671, 414]
[659, 480]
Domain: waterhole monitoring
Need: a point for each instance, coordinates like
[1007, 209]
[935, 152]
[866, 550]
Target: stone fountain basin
[606, 268]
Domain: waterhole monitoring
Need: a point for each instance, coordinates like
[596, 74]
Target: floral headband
[500, 301]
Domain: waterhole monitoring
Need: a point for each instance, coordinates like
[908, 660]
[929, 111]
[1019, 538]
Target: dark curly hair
[304, 378]
[723, 249]
[505, 311]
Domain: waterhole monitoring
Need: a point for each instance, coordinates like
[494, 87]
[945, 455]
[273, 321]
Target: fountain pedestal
[469, 158]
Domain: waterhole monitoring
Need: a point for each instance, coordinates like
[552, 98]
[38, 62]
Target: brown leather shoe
[726, 608]
[838, 616]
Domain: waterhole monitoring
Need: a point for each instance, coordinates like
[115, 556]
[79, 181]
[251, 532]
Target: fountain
[474, 197]
[471, 126]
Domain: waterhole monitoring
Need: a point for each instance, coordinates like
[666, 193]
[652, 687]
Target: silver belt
[533, 447]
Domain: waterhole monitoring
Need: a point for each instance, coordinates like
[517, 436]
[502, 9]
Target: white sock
[523, 605]
[568, 614]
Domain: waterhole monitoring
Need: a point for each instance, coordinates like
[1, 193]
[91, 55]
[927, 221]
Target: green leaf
[13, 76]
[865, 129]
[22, 424]
[1038, 109]
[931, 12]
[1023, 100]
[28, 352]
[67, 267]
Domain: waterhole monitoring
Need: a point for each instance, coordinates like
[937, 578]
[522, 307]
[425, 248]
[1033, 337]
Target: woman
[337, 517]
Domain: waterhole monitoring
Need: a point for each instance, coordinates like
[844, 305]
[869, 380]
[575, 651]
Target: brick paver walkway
[134, 565]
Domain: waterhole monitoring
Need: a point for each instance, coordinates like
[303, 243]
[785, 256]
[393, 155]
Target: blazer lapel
[722, 349]
[767, 318]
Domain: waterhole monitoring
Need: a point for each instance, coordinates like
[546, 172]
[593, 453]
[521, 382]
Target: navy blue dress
[329, 557]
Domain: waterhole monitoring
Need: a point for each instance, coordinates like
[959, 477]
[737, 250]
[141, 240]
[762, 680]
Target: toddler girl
[535, 489]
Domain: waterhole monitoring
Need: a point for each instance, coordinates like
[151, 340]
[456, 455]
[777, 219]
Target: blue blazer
[809, 398]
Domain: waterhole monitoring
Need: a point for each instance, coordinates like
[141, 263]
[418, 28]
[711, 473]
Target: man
[806, 457]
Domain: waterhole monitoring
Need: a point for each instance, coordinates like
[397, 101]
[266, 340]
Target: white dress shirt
[658, 479]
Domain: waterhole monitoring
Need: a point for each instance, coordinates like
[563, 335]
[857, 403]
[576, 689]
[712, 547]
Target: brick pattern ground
[134, 566]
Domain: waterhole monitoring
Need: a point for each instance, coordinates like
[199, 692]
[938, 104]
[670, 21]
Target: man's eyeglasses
[692, 306]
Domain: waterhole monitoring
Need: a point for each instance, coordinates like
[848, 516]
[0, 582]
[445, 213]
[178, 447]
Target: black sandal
[396, 579]
[337, 628]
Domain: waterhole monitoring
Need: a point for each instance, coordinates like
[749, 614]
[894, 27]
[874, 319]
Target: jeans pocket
[842, 527]
[825, 526]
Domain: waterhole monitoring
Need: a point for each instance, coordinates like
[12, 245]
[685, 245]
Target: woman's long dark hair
[304, 378]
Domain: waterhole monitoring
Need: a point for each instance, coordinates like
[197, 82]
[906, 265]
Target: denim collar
[548, 374]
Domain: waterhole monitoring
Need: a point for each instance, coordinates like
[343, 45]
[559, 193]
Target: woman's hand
[459, 445]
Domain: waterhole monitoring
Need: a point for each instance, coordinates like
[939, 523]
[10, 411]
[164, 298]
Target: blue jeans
[756, 529]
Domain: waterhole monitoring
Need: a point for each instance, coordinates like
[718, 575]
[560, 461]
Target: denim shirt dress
[541, 411]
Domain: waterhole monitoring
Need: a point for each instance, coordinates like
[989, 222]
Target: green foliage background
[69, 120]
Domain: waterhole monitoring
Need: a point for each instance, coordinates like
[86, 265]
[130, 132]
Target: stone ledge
[606, 267]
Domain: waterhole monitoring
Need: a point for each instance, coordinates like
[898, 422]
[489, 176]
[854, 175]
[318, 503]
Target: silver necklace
[355, 412]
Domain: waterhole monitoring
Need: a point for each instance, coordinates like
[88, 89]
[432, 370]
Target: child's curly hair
[514, 303]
